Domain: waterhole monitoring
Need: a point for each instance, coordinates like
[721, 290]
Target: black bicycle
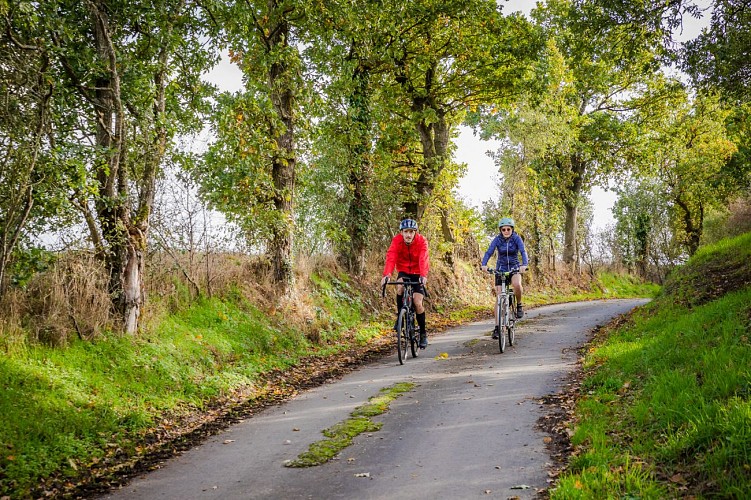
[406, 329]
[505, 308]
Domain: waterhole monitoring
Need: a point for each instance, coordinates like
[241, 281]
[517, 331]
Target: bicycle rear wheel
[402, 336]
[413, 336]
[503, 321]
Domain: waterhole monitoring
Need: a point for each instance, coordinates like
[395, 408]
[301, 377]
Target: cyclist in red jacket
[408, 253]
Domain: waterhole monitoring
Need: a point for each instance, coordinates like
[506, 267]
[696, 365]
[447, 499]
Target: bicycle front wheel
[413, 336]
[511, 326]
[402, 336]
[502, 322]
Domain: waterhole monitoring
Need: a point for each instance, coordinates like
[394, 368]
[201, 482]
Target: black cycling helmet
[408, 224]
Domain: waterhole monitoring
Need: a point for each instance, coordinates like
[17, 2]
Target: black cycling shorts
[499, 280]
[412, 277]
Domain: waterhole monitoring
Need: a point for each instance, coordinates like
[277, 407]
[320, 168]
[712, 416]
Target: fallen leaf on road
[443, 355]
[362, 474]
[228, 441]
[520, 487]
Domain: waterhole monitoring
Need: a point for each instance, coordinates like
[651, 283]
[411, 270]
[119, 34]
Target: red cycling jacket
[411, 259]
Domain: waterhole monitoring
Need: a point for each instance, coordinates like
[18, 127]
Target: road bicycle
[505, 308]
[406, 329]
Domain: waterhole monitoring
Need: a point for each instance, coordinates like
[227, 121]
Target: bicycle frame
[505, 309]
[405, 323]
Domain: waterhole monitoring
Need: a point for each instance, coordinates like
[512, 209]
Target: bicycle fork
[503, 305]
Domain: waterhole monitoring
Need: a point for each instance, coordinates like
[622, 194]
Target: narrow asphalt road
[467, 430]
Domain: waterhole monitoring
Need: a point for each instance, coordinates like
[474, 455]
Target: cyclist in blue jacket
[509, 246]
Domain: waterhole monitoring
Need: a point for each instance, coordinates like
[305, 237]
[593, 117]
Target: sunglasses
[505, 229]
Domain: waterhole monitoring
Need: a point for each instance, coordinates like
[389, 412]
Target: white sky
[481, 180]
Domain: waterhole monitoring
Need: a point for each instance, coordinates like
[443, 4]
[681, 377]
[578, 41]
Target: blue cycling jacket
[508, 252]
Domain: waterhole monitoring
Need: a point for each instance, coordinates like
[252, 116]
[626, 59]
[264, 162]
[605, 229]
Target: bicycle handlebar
[397, 283]
[511, 272]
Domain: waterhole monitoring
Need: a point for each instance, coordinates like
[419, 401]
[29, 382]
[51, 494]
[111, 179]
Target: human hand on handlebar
[484, 268]
[384, 280]
[423, 280]
[523, 269]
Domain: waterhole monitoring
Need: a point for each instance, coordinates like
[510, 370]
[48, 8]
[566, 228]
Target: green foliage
[718, 57]
[644, 237]
[27, 262]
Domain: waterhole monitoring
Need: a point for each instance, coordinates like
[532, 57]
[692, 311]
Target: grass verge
[665, 405]
[340, 436]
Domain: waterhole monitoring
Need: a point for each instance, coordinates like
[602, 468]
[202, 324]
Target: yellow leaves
[235, 56]
[443, 355]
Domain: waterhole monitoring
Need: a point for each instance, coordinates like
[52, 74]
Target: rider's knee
[419, 306]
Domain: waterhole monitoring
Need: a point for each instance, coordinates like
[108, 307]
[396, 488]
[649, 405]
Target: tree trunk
[570, 205]
[125, 235]
[537, 249]
[112, 184]
[284, 161]
[360, 175]
[569, 233]
[434, 138]
[692, 227]
[448, 236]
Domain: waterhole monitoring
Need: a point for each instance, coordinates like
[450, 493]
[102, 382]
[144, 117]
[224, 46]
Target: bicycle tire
[401, 336]
[503, 321]
[498, 320]
[413, 336]
[511, 328]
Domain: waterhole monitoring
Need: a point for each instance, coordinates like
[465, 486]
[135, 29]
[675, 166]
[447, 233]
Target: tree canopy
[347, 119]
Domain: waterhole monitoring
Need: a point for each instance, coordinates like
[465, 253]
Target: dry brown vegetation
[70, 298]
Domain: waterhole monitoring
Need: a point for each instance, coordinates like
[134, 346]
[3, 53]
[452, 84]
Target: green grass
[340, 435]
[91, 394]
[610, 285]
[666, 405]
[605, 286]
